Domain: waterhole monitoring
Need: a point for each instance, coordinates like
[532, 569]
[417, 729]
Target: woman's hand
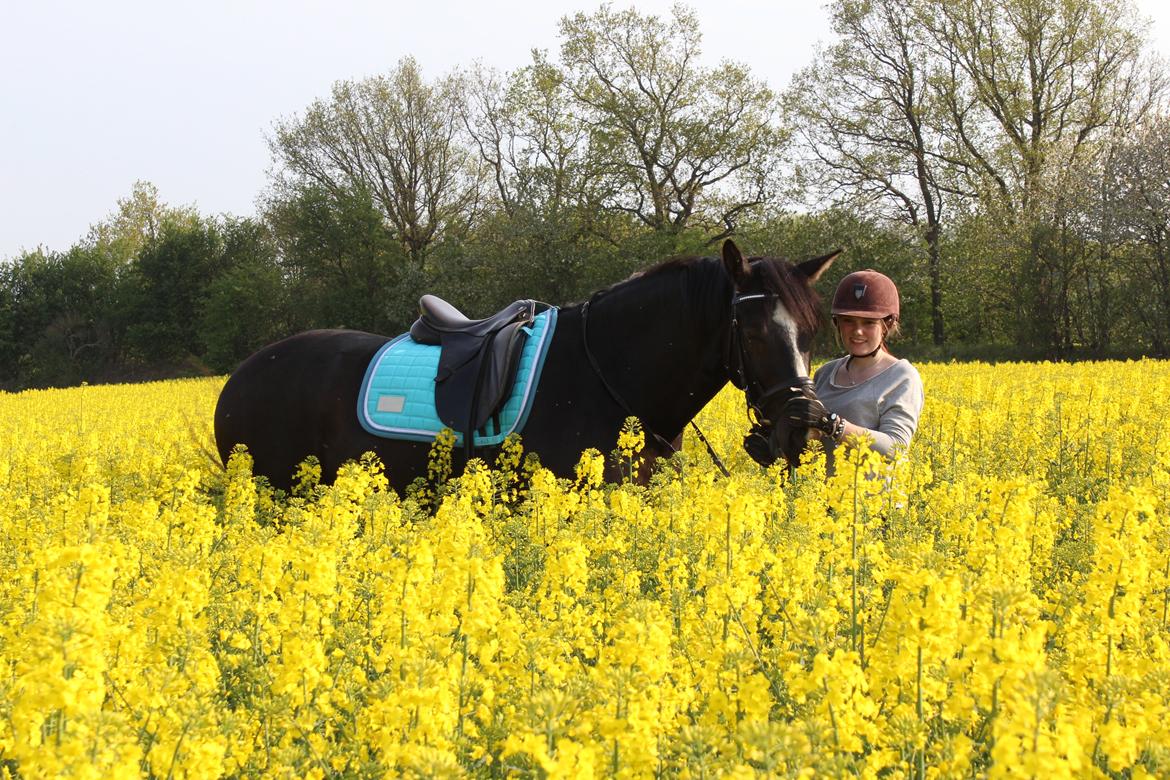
[809, 413]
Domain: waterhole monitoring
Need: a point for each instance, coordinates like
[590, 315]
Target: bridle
[755, 393]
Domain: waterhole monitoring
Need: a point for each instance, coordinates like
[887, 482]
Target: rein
[617, 396]
[793, 386]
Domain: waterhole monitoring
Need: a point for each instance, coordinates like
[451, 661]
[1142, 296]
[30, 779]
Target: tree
[58, 315]
[540, 233]
[66, 315]
[992, 112]
[247, 304]
[138, 220]
[868, 124]
[165, 292]
[527, 131]
[675, 143]
[342, 264]
[1136, 189]
[395, 138]
[1029, 87]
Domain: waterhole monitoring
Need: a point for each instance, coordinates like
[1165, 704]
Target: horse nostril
[791, 442]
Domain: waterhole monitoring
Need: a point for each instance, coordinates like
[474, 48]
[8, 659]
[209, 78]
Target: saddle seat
[477, 360]
[437, 318]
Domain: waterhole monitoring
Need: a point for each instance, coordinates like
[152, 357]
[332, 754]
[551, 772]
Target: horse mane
[796, 294]
[775, 275]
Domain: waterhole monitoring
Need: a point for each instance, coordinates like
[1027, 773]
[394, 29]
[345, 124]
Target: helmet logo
[859, 291]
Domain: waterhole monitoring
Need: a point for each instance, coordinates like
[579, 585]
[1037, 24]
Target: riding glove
[810, 413]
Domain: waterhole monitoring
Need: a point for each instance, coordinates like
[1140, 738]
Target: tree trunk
[936, 316]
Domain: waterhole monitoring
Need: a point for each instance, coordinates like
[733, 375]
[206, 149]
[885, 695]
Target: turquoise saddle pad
[397, 396]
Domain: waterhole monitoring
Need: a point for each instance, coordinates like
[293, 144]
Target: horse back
[295, 397]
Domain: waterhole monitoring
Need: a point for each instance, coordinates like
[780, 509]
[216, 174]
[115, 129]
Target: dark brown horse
[658, 346]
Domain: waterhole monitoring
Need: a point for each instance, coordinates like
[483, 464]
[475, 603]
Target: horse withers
[657, 346]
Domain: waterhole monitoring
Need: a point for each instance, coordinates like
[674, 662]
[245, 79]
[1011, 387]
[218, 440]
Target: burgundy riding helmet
[866, 294]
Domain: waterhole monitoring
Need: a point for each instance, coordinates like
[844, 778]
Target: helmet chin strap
[849, 359]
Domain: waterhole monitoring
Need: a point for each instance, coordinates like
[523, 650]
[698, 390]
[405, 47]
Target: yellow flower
[995, 602]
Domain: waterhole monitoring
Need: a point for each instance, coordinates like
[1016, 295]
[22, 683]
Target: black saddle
[477, 361]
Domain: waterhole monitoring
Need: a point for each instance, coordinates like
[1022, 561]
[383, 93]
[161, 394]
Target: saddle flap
[423, 333]
[474, 377]
[500, 372]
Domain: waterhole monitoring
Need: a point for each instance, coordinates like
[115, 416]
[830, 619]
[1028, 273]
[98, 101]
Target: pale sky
[95, 95]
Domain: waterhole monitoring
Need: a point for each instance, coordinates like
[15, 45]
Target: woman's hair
[893, 329]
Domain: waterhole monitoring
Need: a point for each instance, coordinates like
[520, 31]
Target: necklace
[855, 380]
[849, 380]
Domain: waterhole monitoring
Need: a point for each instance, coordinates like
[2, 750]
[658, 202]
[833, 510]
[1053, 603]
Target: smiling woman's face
[860, 335]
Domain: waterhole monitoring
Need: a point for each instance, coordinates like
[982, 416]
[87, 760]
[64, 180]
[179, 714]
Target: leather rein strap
[609, 388]
[793, 386]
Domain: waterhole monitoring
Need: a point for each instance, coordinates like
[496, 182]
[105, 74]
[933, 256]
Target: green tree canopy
[398, 139]
[678, 144]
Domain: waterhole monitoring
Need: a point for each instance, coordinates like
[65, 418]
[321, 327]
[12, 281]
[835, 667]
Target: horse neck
[661, 343]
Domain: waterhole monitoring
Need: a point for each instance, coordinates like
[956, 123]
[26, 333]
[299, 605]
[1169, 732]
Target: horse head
[775, 313]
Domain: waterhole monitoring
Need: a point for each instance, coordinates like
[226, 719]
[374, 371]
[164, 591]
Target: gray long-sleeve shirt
[887, 404]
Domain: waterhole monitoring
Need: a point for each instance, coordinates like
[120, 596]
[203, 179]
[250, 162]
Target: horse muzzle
[766, 443]
[759, 446]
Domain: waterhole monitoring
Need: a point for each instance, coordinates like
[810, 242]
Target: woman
[868, 392]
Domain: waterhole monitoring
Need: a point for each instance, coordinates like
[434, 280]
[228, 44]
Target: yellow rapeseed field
[996, 605]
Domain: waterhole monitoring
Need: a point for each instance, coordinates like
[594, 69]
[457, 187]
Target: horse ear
[817, 266]
[734, 261]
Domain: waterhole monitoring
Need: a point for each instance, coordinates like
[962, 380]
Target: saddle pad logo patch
[391, 404]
